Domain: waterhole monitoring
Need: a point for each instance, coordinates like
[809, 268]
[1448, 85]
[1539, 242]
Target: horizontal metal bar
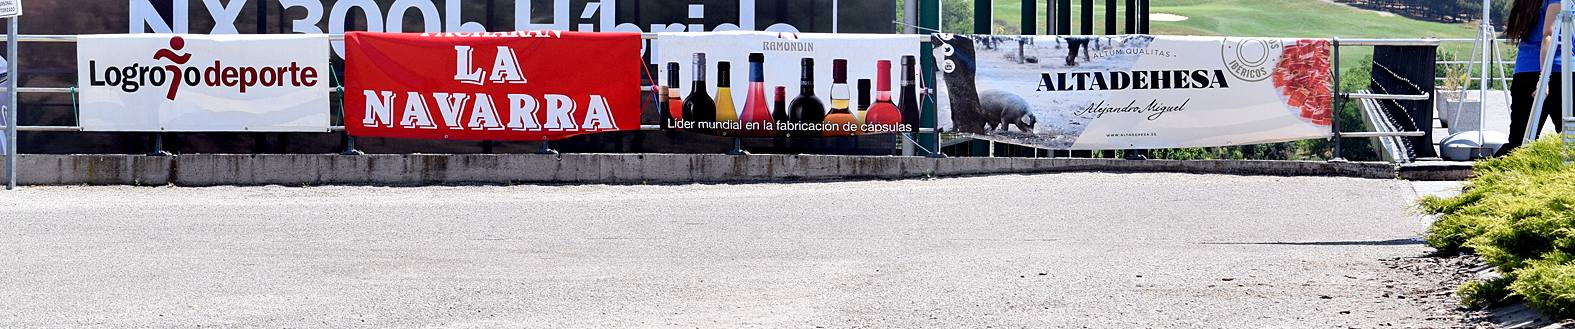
[1422, 97]
[1471, 62]
[1457, 40]
[1388, 42]
[342, 128]
[67, 90]
[38, 90]
[923, 38]
[1382, 134]
[45, 128]
[46, 38]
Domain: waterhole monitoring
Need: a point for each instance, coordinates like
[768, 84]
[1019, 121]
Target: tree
[957, 16]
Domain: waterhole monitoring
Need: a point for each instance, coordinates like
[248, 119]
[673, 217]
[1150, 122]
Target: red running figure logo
[176, 44]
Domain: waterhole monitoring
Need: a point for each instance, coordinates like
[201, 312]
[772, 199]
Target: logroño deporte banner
[1134, 91]
[204, 83]
[765, 84]
[539, 85]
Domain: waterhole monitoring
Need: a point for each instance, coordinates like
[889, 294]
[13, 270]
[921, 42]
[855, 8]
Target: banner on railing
[542, 85]
[1134, 91]
[763, 84]
[204, 83]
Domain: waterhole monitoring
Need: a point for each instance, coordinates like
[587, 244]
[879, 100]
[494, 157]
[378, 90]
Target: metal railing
[336, 89]
[1337, 133]
[1470, 78]
[1341, 97]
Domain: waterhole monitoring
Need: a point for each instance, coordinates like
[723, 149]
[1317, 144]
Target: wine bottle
[840, 121]
[757, 116]
[780, 116]
[910, 92]
[864, 100]
[675, 101]
[661, 98]
[699, 108]
[806, 108]
[883, 116]
[726, 113]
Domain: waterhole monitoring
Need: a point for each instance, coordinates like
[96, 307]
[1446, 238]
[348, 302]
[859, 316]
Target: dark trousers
[1073, 46]
[1523, 94]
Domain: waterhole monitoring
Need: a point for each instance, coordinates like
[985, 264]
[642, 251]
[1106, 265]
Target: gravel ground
[1066, 250]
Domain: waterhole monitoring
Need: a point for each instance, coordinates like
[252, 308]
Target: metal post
[1030, 18]
[929, 18]
[546, 148]
[1110, 17]
[1487, 37]
[910, 17]
[1569, 110]
[1087, 10]
[12, 149]
[738, 147]
[1063, 14]
[158, 146]
[1050, 17]
[1566, 24]
[1132, 11]
[1566, 40]
[983, 16]
[350, 146]
[1143, 16]
[1334, 122]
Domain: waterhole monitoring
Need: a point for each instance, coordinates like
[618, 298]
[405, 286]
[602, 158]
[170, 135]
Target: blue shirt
[1530, 57]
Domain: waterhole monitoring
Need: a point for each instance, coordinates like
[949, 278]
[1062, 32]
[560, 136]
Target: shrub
[1548, 287]
[1480, 293]
[1518, 213]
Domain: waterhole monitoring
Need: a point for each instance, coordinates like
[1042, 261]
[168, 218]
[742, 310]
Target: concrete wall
[315, 169]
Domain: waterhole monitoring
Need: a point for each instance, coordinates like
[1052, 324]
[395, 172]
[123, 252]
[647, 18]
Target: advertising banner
[335, 16]
[1134, 91]
[764, 84]
[543, 85]
[204, 83]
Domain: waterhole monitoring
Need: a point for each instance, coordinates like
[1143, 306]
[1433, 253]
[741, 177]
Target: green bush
[1480, 294]
[1548, 287]
[1518, 213]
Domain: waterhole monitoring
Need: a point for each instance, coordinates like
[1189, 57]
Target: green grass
[1258, 18]
[1254, 18]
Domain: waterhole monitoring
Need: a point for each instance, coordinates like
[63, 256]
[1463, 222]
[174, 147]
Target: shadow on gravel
[1395, 242]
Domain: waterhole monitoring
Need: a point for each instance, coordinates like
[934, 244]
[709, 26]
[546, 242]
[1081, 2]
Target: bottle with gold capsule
[726, 113]
[840, 121]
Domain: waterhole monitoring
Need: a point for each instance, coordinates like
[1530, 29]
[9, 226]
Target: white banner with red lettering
[1134, 91]
[204, 83]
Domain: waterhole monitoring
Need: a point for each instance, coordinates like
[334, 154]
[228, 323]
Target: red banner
[544, 85]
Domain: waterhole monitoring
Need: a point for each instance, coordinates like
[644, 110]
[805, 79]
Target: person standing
[1531, 24]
